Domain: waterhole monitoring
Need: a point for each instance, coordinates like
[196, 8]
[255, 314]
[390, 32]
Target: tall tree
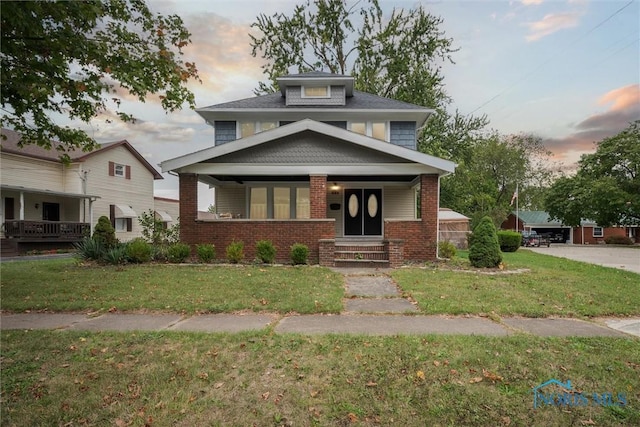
[490, 168]
[398, 56]
[606, 188]
[71, 58]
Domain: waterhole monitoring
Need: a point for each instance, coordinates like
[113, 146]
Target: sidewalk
[368, 324]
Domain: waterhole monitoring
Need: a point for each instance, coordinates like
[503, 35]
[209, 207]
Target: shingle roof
[359, 101]
[316, 74]
[537, 217]
[10, 145]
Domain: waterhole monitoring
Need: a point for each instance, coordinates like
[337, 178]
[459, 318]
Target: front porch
[400, 237]
[46, 231]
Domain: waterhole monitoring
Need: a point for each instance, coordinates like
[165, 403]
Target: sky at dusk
[567, 71]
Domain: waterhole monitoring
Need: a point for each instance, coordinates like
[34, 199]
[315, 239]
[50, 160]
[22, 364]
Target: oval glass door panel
[353, 206]
[372, 205]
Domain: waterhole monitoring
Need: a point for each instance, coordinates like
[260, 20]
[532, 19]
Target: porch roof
[47, 192]
[385, 159]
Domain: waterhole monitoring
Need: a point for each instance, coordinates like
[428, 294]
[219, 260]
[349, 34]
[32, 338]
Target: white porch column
[91, 217]
[22, 206]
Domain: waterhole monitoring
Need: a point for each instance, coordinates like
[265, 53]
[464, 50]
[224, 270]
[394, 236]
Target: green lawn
[185, 379]
[64, 285]
[552, 287]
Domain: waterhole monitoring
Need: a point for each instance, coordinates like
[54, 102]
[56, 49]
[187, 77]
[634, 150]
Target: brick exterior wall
[327, 249]
[318, 195]
[588, 235]
[282, 233]
[420, 236]
[188, 187]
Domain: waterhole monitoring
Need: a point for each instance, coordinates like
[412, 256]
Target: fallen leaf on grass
[436, 363]
[493, 377]
[113, 309]
[265, 395]
[588, 422]
[475, 380]
[353, 418]
[218, 385]
[313, 393]
[506, 421]
[420, 375]
[371, 384]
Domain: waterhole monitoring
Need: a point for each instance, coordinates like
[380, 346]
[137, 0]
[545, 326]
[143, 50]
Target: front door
[363, 212]
[51, 211]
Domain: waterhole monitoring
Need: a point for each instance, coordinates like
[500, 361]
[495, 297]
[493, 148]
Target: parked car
[530, 238]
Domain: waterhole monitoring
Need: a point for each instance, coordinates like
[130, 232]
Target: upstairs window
[377, 130]
[119, 170]
[248, 128]
[316, 91]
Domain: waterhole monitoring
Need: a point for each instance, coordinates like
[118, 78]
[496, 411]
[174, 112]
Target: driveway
[608, 256]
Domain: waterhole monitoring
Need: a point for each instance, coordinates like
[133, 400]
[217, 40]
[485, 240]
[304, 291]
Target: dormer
[316, 89]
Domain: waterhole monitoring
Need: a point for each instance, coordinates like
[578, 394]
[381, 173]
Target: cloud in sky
[552, 23]
[531, 2]
[624, 108]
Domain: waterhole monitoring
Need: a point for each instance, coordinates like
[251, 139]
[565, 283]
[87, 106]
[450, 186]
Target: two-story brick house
[317, 163]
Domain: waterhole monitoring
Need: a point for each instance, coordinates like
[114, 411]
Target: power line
[535, 70]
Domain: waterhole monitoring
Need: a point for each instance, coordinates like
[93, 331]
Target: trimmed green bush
[299, 253]
[206, 252]
[178, 252]
[446, 249]
[618, 240]
[265, 251]
[104, 233]
[139, 251]
[485, 249]
[509, 241]
[235, 252]
[88, 248]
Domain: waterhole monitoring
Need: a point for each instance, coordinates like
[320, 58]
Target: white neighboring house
[167, 210]
[47, 202]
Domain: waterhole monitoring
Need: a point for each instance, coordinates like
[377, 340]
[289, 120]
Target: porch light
[335, 186]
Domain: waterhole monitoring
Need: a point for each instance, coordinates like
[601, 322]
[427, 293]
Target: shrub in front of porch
[484, 251]
[265, 251]
[139, 251]
[299, 253]
[178, 252]
[235, 252]
[206, 252]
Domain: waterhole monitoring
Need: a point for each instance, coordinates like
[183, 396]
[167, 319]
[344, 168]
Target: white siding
[31, 173]
[136, 192]
[231, 200]
[399, 203]
[170, 207]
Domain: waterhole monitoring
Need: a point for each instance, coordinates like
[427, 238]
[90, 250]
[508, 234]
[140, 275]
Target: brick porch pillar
[318, 196]
[188, 207]
[429, 205]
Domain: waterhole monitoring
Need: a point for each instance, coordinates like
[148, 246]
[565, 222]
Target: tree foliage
[398, 57]
[490, 168]
[606, 188]
[73, 58]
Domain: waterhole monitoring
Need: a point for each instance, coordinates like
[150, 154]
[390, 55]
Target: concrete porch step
[361, 263]
[361, 255]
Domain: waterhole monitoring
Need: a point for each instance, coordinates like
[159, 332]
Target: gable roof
[11, 145]
[404, 155]
[537, 218]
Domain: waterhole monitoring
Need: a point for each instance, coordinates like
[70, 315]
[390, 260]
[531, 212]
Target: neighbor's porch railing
[56, 230]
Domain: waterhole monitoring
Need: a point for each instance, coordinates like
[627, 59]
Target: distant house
[588, 232]
[317, 163]
[46, 202]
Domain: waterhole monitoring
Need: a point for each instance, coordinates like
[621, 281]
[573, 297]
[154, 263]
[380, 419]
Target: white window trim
[293, 202]
[601, 234]
[369, 128]
[304, 95]
[257, 125]
[123, 170]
